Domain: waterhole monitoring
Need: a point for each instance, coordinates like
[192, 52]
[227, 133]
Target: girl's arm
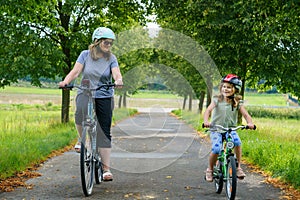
[74, 73]
[247, 117]
[207, 113]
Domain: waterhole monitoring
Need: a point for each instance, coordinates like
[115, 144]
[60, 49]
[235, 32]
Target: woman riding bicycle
[225, 108]
[98, 65]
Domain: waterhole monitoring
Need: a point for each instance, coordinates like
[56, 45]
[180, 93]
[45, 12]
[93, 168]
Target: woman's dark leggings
[104, 110]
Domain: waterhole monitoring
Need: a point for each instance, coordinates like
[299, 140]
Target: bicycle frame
[90, 162]
[226, 166]
[226, 152]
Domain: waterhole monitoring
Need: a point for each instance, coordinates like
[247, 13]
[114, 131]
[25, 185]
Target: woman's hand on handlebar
[119, 83]
[62, 84]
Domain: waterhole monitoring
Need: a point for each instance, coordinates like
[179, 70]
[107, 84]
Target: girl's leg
[238, 153]
[212, 160]
[216, 140]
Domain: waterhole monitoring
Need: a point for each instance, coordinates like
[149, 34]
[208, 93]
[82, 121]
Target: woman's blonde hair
[96, 52]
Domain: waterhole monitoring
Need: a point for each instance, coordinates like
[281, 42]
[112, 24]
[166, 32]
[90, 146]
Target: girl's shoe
[240, 173]
[209, 175]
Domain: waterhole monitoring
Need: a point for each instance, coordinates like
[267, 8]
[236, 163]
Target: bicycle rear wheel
[231, 179]
[87, 164]
[218, 178]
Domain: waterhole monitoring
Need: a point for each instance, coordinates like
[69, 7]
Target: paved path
[155, 156]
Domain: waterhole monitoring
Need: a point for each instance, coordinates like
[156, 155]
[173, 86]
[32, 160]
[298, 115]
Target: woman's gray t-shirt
[98, 72]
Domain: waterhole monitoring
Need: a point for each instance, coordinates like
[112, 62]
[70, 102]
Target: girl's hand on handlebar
[205, 125]
[251, 126]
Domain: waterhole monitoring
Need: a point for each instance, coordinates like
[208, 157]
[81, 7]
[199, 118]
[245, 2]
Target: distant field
[46, 95]
[265, 99]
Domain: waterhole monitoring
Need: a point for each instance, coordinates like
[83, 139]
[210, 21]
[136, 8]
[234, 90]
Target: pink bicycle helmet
[233, 79]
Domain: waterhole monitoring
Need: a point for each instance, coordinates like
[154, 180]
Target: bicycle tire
[98, 172]
[231, 179]
[87, 164]
[218, 178]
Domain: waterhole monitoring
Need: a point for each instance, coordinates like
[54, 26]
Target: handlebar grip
[203, 125]
[247, 127]
[67, 87]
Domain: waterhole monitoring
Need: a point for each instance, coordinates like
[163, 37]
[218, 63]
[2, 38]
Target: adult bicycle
[225, 170]
[91, 169]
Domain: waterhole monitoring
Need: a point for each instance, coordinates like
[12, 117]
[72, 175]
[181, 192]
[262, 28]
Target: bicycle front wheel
[231, 179]
[87, 164]
[218, 178]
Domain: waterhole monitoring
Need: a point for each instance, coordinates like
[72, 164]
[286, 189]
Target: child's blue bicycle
[225, 169]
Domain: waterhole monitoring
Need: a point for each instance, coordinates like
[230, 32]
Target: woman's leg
[81, 110]
[104, 108]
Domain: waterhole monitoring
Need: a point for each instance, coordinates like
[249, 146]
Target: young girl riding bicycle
[225, 108]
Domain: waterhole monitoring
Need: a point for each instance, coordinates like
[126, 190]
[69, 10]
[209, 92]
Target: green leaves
[254, 39]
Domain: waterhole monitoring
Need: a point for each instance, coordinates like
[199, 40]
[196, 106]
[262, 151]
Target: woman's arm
[116, 73]
[74, 73]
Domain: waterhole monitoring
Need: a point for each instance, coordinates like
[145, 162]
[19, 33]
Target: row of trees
[199, 41]
[257, 40]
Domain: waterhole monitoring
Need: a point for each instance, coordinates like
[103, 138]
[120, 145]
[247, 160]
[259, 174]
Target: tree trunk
[120, 101]
[242, 92]
[190, 102]
[184, 102]
[124, 99]
[65, 106]
[201, 101]
[209, 92]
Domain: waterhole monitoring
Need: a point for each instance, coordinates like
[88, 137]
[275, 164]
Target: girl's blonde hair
[96, 52]
[234, 100]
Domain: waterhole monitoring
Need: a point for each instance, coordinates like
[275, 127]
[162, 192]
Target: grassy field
[29, 133]
[265, 99]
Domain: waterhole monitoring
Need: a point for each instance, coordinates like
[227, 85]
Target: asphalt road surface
[154, 156]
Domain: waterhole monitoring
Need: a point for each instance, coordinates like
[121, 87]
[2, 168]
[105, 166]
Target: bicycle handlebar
[71, 86]
[215, 127]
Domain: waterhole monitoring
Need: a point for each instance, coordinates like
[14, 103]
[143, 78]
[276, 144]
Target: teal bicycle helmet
[103, 32]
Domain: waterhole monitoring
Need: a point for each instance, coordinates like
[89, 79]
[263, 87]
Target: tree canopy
[258, 40]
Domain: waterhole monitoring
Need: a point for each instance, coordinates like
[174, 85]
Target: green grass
[29, 136]
[274, 146]
[30, 90]
[265, 99]
[146, 94]
[29, 133]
